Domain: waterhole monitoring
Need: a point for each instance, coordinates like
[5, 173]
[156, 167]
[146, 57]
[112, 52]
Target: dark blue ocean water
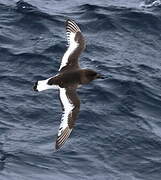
[118, 132]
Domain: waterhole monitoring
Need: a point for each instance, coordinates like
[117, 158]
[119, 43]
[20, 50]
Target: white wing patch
[72, 46]
[71, 30]
[68, 107]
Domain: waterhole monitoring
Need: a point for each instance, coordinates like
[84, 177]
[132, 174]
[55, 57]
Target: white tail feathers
[43, 85]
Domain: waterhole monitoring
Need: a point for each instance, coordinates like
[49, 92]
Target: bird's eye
[93, 74]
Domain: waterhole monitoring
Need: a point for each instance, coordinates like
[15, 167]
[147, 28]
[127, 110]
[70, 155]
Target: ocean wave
[119, 116]
[151, 4]
[100, 18]
[26, 8]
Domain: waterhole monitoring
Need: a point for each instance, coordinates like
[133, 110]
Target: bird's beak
[100, 76]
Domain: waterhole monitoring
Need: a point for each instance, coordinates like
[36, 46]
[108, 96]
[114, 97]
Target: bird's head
[92, 75]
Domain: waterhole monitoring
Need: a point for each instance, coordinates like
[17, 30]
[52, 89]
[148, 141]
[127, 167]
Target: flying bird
[70, 76]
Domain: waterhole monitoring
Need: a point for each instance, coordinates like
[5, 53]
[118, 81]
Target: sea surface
[118, 132]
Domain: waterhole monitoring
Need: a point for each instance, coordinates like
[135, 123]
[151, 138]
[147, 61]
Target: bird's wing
[70, 104]
[76, 45]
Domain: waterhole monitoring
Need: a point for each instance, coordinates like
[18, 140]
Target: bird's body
[75, 77]
[68, 79]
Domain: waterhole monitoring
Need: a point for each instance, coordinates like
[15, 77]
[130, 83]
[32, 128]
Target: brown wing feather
[76, 44]
[62, 139]
[68, 120]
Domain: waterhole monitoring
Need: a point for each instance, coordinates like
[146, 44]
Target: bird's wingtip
[57, 147]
